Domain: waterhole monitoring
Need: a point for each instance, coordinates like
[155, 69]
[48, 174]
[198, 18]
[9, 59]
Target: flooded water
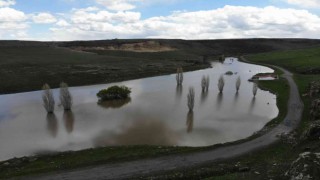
[156, 114]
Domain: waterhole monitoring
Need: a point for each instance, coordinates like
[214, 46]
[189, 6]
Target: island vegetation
[114, 93]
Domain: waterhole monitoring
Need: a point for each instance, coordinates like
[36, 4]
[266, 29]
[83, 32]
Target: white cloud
[6, 3]
[62, 23]
[84, 17]
[226, 22]
[43, 18]
[118, 5]
[12, 23]
[88, 9]
[305, 3]
[11, 15]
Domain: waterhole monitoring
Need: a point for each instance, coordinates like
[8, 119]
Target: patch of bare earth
[147, 46]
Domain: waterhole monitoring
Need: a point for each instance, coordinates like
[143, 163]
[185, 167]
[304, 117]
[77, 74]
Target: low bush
[114, 92]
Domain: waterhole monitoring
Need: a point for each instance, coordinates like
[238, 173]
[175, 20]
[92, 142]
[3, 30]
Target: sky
[65, 20]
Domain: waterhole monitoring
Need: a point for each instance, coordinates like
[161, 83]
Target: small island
[114, 93]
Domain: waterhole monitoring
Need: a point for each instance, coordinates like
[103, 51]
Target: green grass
[28, 68]
[295, 60]
[281, 89]
[303, 82]
[84, 158]
[270, 163]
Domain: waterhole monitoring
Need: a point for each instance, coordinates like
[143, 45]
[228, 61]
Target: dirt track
[143, 167]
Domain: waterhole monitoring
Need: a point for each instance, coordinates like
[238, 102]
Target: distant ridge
[211, 47]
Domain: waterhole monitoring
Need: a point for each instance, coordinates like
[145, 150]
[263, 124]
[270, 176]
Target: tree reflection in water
[252, 103]
[114, 104]
[68, 118]
[52, 124]
[179, 89]
[219, 100]
[204, 95]
[189, 122]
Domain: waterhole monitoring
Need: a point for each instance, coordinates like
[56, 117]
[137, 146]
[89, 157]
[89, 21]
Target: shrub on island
[114, 93]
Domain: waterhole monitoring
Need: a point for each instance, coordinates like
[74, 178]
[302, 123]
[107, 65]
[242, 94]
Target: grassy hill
[27, 65]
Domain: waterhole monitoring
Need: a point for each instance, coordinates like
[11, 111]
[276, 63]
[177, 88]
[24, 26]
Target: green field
[299, 61]
[28, 68]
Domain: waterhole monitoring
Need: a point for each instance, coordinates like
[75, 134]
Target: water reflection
[179, 90]
[219, 100]
[236, 97]
[52, 124]
[114, 104]
[163, 117]
[189, 122]
[140, 132]
[252, 103]
[68, 118]
[235, 100]
[204, 95]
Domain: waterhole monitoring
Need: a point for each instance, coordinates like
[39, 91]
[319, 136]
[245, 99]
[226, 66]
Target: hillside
[27, 65]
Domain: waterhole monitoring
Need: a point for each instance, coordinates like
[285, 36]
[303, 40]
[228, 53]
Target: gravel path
[143, 167]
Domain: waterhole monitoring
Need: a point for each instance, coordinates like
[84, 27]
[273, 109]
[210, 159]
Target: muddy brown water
[156, 114]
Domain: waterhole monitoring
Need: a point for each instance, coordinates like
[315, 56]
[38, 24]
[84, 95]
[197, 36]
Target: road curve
[142, 167]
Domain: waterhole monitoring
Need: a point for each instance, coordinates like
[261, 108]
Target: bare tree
[238, 83]
[47, 97]
[191, 99]
[179, 76]
[65, 96]
[221, 83]
[205, 83]
[255, 89]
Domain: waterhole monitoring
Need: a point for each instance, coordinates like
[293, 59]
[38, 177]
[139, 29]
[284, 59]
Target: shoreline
[180, 150]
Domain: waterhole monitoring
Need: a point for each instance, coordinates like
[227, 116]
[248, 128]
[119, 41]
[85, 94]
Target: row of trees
[48, 99]
[205, 81]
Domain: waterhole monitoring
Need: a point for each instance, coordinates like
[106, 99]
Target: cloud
[43, 18]
[226, 22]
[62, 23]
[6, 3]
[11, 15]
[13, 23]
[305, 3]
[92, 18]
[119, 5]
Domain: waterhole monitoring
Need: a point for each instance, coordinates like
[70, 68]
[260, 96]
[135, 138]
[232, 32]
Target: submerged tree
[222, 58]
[47, 97]
[179, 76]
[65, 96]
[191, 99]
[238, 83]
[221, 83]
[205, 83]
[255, 89]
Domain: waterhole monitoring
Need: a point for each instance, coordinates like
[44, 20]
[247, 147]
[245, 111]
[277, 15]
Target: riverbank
[70, 160]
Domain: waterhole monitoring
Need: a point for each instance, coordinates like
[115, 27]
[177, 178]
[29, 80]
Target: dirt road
[143, 167]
